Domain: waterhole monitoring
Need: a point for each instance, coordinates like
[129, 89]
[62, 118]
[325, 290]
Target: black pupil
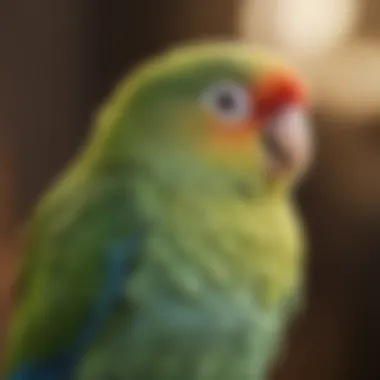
[225, 101]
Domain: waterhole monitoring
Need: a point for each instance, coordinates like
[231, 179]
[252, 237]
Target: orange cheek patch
[232, 144]
[231, 136]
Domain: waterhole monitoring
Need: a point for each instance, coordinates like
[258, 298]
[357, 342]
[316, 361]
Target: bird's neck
[215, 240]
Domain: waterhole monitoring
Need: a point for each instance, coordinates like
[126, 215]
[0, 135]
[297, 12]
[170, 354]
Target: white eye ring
[229, 101]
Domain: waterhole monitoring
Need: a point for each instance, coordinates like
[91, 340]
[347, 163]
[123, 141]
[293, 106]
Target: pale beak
[289, 141]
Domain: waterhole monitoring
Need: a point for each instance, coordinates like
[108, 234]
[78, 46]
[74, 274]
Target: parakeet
[171, 248]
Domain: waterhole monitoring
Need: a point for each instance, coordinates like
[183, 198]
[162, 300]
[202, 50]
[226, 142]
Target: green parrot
[171, 249]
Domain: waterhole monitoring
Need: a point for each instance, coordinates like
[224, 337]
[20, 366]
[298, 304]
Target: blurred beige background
[59, 60]
[336, 43]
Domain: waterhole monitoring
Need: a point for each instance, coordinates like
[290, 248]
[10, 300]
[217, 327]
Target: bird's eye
[229, 101]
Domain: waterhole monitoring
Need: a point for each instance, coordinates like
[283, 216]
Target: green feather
[220, 272]
[64, 265]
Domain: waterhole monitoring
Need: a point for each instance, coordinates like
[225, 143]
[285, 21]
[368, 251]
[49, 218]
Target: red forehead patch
[279, 89]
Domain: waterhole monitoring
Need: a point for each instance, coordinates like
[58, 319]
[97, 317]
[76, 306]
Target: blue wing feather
[120, 266]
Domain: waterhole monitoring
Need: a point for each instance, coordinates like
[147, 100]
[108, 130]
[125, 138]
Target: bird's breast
[229, 245]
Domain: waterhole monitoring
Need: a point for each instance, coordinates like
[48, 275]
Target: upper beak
[281, 106]
[289, 141]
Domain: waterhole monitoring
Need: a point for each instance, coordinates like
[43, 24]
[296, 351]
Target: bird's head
[216, 113]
